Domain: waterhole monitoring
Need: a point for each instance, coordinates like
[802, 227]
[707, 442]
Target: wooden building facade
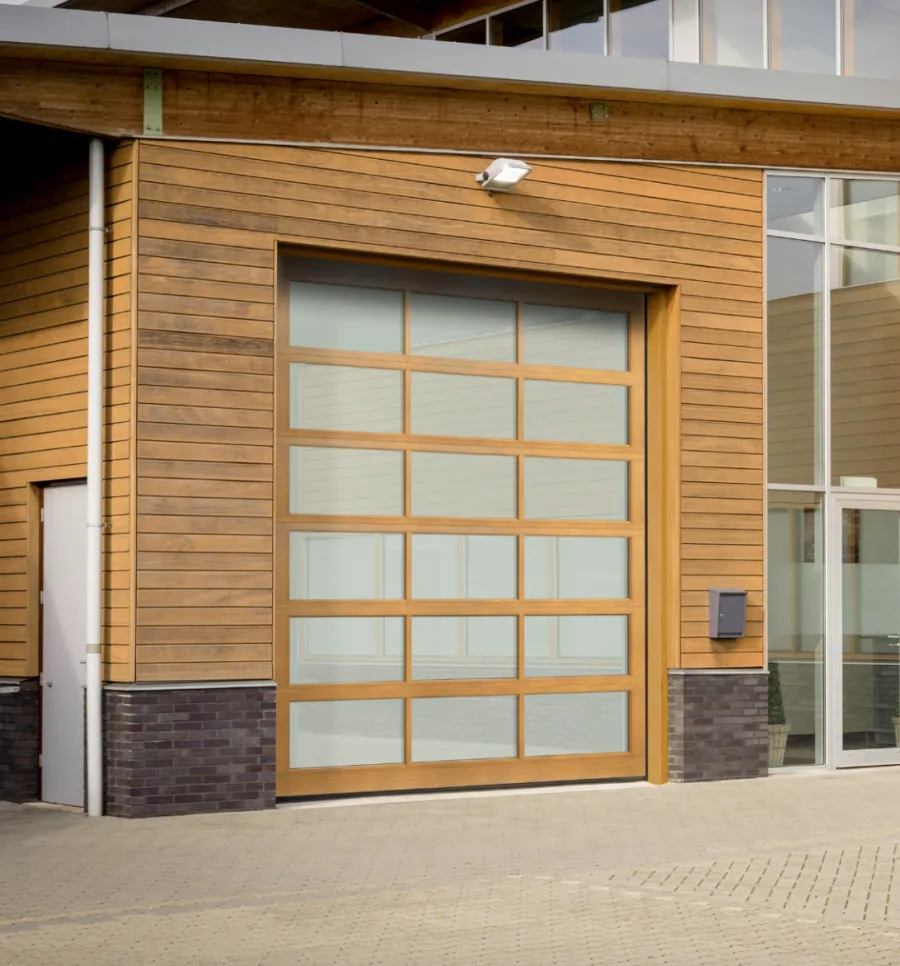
[257, 185]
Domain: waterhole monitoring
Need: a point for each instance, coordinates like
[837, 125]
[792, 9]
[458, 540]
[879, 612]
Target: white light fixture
[503, 174]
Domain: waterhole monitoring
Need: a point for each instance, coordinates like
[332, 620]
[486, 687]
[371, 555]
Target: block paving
[794, 869]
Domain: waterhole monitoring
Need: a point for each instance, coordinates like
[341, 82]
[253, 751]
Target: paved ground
[789, 870]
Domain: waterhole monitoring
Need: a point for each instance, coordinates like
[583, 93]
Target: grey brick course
[184, 751]
[718, 725]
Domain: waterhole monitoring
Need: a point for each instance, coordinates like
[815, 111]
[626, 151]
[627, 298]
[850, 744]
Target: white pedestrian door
[63, 644]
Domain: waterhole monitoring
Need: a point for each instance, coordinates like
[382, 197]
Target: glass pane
[871, 628]
[802, 36]
[463, 647]
[794, 283]
[575, 412]
[346, 566]
[346, 317]
[794, 205]
[346, 398]
[329, 650]
[576, 724]
[449, 405]
[577, 26]
[328, 734]
[463, 485]
[732, 32]
[576, 645]
[462, 328]
[795, 621]
[865, 364]
[866, 211]
[473, 33]
[459, 566]
[576, 568]
[579, 338]
[871, 29]
[572, 489]
[330, 479]
[452, 729]
[522, 27]
[639, 28]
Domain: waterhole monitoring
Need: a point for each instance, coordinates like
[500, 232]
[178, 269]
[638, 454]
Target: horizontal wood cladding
[43, 391]
[200, 104]
[210, 218]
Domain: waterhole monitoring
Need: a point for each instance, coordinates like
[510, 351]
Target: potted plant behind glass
[778, 726]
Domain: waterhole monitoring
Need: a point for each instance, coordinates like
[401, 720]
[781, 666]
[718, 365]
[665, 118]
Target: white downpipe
[93, 670]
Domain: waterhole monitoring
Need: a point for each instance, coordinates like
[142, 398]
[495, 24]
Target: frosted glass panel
[346, 317]
[452, 729]
[346, 566]
[459, 566]
[462, 485]
[327, 734]
[448, 405]
[732, 32]
[576, 567]
[462, 328]
[334, 480]
[571, 489]
[327, 650]
[866, 211]
[463, 647]
[575, 645]
[576, 724]
[581, 338]
[346, 398]
[575, 412]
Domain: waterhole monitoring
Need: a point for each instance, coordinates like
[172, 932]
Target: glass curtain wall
[833, 352]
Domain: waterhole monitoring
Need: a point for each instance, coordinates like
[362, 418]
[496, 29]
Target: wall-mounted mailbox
[727, 613]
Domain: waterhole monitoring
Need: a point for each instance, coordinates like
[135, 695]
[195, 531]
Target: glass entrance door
[865, 645]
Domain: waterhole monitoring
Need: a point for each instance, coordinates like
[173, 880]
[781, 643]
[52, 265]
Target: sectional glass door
[460, 540]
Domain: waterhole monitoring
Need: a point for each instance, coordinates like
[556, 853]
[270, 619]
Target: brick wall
[718, 725]
[179, 751]
[19, 741]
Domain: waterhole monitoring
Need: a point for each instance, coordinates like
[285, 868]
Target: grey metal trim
[152, 39]
[188, 685]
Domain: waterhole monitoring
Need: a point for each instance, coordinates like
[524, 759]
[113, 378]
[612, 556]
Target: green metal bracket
[599, 112]
[153, 101]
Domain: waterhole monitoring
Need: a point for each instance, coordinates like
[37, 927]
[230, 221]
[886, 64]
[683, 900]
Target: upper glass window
[866, 211]
[794, 205]
[802, 36]
[639, 28]
[519, 27]
[871, 32]
[577, 25]
[732, 33]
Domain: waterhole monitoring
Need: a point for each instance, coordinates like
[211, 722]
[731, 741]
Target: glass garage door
[460, 541]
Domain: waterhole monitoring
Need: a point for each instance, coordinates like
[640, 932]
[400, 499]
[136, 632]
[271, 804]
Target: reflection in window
[345, 317]
[520, 27]
[555, 335]
[331, 479]
[795, 306]
[732, 32]
[462, 328]
[794, 205]
[328, 734]
[457, 565]
[866, 211]
[471, 33]
[455, 729]
[444, 648]
[346, 566]
[639, 28]
[463, 485]
[444, 404]
[576, 567]
[795, 606]
[865, 349]
[576, 724]
[346, 398]
[871, 29]
[575, 645]
[802, 36]
[577, 26]
[332, 650]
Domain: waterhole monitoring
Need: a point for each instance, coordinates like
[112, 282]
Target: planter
[778, 736]
[896, 732]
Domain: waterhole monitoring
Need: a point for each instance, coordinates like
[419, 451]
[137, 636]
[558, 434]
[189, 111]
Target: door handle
[49, 684]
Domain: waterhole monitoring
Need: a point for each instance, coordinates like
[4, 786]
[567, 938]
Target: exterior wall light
[503, 174]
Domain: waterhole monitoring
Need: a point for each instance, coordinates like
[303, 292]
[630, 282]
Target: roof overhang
[76, 35]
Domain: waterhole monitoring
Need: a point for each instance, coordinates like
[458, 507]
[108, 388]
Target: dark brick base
[19, 741]
[718, 725]
[180, 751]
